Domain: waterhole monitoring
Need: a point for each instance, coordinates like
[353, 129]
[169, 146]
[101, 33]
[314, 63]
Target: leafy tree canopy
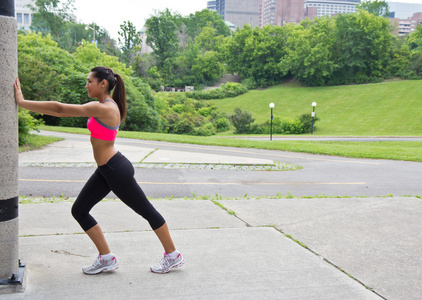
[375, 7]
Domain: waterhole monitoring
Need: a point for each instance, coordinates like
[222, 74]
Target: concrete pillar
[9, 231]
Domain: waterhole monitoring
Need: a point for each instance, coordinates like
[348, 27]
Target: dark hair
[114, 81]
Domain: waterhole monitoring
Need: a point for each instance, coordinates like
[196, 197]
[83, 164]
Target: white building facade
[23, 13]
[332, 7]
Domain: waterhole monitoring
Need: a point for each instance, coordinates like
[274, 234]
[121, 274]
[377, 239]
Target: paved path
[319, 174]
[248, 254]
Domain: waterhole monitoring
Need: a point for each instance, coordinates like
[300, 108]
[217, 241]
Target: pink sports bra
[102, 131]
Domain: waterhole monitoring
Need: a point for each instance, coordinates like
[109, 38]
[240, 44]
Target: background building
[290, 11]
[332, 7]
[279, 12]
[405, 17]
[400, 10]
[231, 25]
[211, 5]
[240, 12]
[268, 10]
[406, 26]
[23, 13]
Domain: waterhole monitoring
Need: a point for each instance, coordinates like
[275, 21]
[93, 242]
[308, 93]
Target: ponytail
[119, 95]
[114, 81]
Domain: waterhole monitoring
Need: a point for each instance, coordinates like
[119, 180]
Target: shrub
[293, 126]
[306, 120]
[250, 83]
[26, 124]
[178, 108]
[222, 124]
[228, 90]
[205, 130]
[242, 120]
[284, 126]
[205, 111]
[185, 126]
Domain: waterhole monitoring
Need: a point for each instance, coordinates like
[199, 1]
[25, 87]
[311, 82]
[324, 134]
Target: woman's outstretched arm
[57, 109]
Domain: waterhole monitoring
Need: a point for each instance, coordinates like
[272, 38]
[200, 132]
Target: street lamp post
[93, 28]
[313, 116]
[271, 127]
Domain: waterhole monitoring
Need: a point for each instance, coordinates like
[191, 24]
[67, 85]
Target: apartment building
[279, 12]
[239, 12]
[406, 26]
[332, 7]
[212, 5]
[23, 13]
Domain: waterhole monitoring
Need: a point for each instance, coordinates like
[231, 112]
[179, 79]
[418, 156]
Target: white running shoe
[101, 265]
[166, 264]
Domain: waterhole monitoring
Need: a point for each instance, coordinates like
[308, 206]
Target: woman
[114, 173]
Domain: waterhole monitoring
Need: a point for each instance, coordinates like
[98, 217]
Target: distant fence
[177, 89]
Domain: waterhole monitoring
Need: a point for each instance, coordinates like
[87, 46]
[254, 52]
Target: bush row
[182, 115]
[244, 124]
[228, 90]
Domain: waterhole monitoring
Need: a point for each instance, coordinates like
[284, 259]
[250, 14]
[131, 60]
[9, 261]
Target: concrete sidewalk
[243, 256]
[225, 258]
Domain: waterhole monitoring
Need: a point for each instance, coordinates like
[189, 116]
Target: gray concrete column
[9, 230]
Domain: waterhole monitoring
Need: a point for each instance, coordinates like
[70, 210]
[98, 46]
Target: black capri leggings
[117, 176]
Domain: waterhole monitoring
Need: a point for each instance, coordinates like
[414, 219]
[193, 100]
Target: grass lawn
[36, 142]
[384, 109]
[411, 151]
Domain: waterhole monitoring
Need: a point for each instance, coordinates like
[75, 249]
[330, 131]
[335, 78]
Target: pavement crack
[64, 252]
[230, 212]
[146, 156]
[326, 260]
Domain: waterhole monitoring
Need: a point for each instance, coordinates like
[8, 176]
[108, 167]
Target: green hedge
[244, 124]
[228, 90]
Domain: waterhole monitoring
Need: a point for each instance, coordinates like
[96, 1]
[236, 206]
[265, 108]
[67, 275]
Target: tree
[208, 39]
[255, 53]
[50, 16]
[414, 40]
[400, 56]
[375, 7]
[54, 17]
[182, 67]
[206, 18]
[48, 72]
[208, 67]
[362, 48]
[309, 51]
[42, 67]
[71, 36]
[129, 40]
[162, 38]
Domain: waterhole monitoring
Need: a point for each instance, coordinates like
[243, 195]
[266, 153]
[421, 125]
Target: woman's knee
[154, 218]
[82, 216]
[76, 213]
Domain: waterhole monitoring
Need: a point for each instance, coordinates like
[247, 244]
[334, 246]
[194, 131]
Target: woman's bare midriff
[103, 150]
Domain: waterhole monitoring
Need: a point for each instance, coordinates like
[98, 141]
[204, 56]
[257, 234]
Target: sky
[110, 14]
